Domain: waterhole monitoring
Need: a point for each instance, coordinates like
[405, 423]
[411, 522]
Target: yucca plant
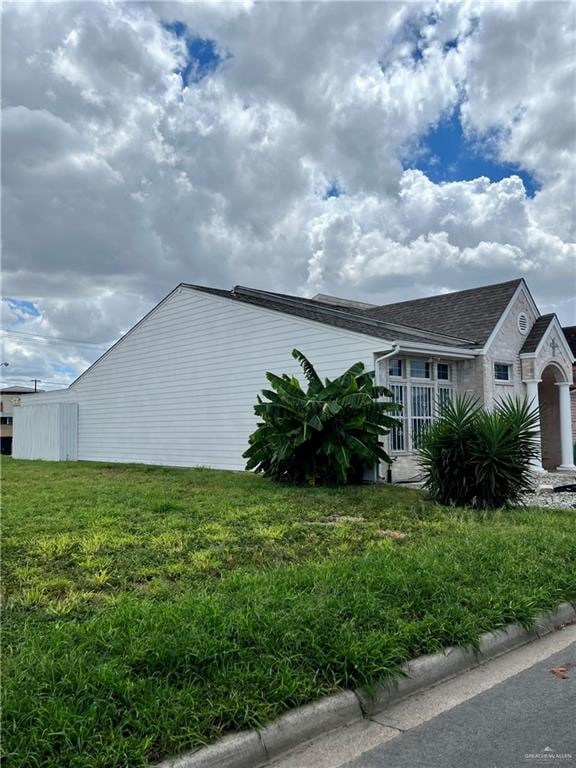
[479, 458]
[326, 433]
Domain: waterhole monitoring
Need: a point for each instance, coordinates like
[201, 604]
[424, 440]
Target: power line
[45, 383]
[56, 339]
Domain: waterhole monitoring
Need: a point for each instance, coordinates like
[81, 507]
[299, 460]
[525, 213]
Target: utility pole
[36, 382]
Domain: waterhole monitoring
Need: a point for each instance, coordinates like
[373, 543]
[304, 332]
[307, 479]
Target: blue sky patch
[445, 154]
[22, 306]
[334, 190]
[202, 56]
[68, 370]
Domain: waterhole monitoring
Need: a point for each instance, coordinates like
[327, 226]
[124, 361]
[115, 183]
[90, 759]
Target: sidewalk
[504, 714]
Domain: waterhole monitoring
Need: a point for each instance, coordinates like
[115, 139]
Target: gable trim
[522, 288]
[554, 326]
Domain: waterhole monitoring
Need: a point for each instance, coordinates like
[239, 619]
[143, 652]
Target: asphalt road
[527, 720]
[510, 712]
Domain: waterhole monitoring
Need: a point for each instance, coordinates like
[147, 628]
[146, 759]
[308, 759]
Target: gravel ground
[544, 494]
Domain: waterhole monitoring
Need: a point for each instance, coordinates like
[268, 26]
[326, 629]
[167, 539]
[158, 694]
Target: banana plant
[326, 433]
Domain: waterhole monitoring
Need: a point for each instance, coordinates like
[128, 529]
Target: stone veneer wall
[506, 349]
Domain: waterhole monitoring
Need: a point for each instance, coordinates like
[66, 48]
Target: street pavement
[512, 712]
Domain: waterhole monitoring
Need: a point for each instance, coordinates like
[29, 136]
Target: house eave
[554, 324]
[435, 349]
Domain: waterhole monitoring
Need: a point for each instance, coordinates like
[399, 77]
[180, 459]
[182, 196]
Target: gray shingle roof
[472, 313]
[570, 333]
[536, 332]
[350, 319]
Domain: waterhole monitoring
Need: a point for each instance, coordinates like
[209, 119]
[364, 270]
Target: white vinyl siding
[47, 431]
[180, 388]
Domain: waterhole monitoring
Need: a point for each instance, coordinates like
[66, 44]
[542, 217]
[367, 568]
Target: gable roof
[391, 327]
[536, 333]
[348, 318]
[472, 313]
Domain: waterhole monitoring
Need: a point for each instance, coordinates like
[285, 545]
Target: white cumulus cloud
[119, 182]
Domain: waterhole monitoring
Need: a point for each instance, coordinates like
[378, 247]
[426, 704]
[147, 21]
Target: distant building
[10, 397]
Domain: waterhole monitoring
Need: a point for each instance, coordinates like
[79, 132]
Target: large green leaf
[328, 433]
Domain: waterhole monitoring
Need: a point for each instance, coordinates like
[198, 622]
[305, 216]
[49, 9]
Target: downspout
[394, 351]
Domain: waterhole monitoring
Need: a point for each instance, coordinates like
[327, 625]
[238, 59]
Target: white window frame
[449, 364]
[510, 368]
[439, 388]
[422, 378]
[394, 377]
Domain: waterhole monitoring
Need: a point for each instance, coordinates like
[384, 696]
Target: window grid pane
[501, 372]
[443, 371]
[397, 435]
[420, 369]
[421, 402]
[421, 412]
[444, 395]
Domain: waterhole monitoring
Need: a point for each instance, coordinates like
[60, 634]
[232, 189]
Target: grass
[150, 610]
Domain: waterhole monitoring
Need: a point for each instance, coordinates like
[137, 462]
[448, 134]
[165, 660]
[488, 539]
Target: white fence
[48, 431]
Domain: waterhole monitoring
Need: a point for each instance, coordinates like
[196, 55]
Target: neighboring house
[180, 387]
[570, 333]
[10, 397]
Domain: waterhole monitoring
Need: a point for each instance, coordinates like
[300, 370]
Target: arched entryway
[549, 398]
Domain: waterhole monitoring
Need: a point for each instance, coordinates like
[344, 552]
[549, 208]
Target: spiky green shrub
[326, 433]
[473, 457]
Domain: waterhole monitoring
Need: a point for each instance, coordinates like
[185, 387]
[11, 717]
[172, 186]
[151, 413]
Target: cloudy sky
[375, 150]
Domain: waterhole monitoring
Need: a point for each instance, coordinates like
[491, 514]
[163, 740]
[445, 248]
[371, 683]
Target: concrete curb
[303, 723]
[251, 749]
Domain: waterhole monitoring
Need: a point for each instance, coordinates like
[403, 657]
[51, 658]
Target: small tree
[478, 458]
[327, 433]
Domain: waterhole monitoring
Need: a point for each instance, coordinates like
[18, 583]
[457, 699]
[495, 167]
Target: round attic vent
[523, 323]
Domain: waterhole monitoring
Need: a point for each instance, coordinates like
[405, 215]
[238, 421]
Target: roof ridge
[341, 311]
[438, 296]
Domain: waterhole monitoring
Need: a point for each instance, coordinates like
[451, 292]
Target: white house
[179, 388]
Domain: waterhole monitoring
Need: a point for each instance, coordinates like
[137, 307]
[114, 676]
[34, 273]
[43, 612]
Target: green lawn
[150, 610]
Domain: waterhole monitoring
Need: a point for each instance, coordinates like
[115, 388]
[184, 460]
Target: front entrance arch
[549, 399]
